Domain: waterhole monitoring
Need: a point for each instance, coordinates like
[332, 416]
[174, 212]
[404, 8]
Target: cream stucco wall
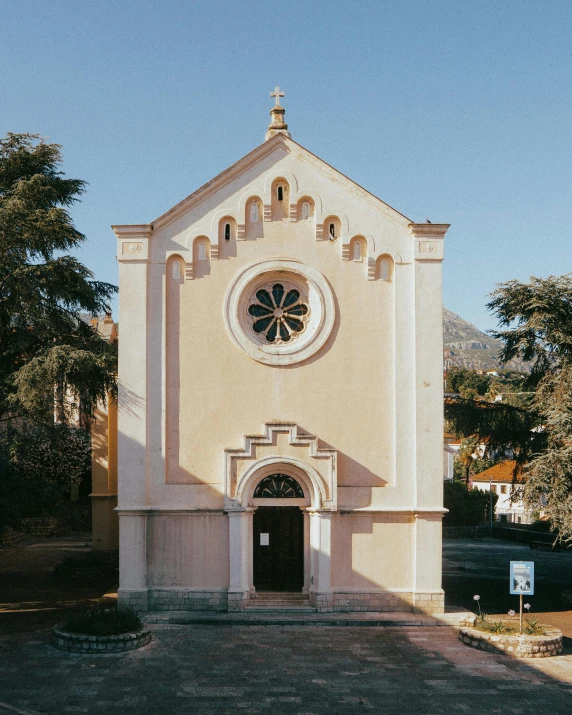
[372, 394]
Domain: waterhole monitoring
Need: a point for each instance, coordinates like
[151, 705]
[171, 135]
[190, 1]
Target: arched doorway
[278, 537]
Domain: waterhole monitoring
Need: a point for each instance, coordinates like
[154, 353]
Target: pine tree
[49, 356]
[536, 322]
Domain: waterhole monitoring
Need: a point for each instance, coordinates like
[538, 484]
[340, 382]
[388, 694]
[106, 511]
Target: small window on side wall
[332, 230]
[280, 193]
[357, 251]
[305, 211]
[227, 232]
[254, 212]
[176, 270]
[202, 252]
[384, 270]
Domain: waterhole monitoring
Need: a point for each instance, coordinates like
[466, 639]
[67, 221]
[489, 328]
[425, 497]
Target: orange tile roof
[501, 472]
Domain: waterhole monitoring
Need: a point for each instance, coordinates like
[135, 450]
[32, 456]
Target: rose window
[278, 313]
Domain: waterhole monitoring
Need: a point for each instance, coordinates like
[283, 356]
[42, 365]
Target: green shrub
[534, 627]
[467, 507]
[102, 620]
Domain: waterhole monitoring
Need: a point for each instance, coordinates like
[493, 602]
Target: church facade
[280, 402]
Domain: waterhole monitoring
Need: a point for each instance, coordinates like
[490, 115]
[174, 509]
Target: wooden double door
[278, 548]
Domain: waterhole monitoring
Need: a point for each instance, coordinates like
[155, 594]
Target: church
[279, 422]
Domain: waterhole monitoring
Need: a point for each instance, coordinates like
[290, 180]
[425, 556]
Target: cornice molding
[131, 231]
[428, 230]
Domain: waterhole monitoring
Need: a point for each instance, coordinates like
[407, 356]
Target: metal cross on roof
[277, 93]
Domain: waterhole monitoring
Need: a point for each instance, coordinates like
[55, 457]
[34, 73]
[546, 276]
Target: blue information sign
[522, 578]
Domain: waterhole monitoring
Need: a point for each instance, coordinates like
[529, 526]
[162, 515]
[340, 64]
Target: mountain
[466, 346]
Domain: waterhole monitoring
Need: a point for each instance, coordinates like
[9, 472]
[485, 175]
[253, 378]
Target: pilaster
[132, 254]
[428, 239]
[428, 251]
[320, 559]
[239, 531]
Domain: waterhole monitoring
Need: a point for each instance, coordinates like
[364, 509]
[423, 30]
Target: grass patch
[101, 620]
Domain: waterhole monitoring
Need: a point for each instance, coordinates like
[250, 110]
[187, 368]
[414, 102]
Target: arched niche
[332, 229]
[358, 249]
[305, 209]
[175, 269]
[227, 229]
[201, 257]
[254, 218]
[280, 199]
[384, 268]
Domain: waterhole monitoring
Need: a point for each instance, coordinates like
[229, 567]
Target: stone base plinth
[237, 601]
[182, 599]
[138, 600]
[379, 601]
[175, 599]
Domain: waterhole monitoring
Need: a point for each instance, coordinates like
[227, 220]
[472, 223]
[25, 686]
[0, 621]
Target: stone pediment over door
[282, 448]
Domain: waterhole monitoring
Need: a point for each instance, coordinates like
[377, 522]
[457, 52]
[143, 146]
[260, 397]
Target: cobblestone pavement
[202, 669]
[275, 669]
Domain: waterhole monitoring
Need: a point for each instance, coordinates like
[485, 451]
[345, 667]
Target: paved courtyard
[274, 669]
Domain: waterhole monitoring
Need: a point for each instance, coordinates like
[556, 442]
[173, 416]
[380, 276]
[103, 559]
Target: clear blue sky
[456, 110]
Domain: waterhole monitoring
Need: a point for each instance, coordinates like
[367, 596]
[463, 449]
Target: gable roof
[256, 155]
[501, 472]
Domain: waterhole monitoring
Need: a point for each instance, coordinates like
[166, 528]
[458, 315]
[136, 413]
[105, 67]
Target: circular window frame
[317, 329]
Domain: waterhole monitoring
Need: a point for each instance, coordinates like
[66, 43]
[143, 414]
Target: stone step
[293, 597]
[279, 602]
[250, 617]
[277, 608]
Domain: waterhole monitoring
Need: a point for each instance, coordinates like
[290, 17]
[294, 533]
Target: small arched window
[357, 251]
[332, 230]
[280, 194]
[305, 211]
[254, 212]
[384, 270]
[176, 270]
[227, 232]
[202, 253]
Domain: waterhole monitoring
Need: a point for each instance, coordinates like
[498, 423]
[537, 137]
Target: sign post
[521, 581]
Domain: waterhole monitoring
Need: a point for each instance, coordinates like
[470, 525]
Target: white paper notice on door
[264, 539]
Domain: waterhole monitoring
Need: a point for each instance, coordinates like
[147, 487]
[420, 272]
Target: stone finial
[277, 125]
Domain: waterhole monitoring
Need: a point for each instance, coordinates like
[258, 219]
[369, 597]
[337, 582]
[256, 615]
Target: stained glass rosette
[278, 313]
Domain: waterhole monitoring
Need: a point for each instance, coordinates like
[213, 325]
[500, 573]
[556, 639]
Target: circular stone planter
[81, 643]
[521, 646]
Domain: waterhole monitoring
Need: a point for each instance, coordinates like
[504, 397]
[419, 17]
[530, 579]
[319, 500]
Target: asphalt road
[481, 566]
